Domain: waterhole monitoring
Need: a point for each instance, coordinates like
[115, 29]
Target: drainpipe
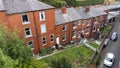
[36, 30]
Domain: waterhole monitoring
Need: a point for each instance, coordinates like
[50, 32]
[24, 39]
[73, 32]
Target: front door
[58, 40]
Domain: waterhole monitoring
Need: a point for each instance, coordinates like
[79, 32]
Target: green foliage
[5, 61]
[37, 64]
[97, 59]
[93, 44]
[80, 53]
[74, 3]
[45, 51]
[62, 62]
[106, 28]
[13, 47]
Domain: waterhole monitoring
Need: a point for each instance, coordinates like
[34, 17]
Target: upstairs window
[51, 38]
[80, 22]
[94, 28]
[28, 32]
[30, 43]
[64, 27]
[74, 25]
[43, 28]
[42, 15]
[44, 40]
[96, 19]
[25, 19]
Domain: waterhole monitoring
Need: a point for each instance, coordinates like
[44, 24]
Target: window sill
[42, 19]
[64, 40]
[28, 36]
[74, 37]
[63, 30]
[32, 49]
[44, 44]
[88, 25]
[24, 23]
[74, 27]
[87, 33]
[52, 41]
[94, 30]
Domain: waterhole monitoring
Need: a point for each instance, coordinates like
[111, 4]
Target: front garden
[93, 44]
[73, 57]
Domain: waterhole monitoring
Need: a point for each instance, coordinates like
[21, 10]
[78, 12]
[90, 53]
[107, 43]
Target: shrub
[45, 51]
[62, 62]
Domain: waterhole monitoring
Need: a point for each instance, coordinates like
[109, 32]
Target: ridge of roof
[19, 6]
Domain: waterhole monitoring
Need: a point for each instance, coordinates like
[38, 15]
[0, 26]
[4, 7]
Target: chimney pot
[64, 10]
[87, 8]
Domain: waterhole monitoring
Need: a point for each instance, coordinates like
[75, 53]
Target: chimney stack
[87, 8]
[64, 10]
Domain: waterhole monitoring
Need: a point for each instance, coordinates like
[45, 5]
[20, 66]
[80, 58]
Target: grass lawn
[93, 45]
[82, 53]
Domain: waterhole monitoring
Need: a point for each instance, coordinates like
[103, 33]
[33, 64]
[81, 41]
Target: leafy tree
[13, 46]
[62, 62]
[5, 61]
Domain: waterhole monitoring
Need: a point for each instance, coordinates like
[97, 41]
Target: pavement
[114, 47]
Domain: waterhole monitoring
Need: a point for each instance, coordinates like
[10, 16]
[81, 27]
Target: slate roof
[1, 6]
[93, 12]
[108, 7]
[71, 15]
[19, 6]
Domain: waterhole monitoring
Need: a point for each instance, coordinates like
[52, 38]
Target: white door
[58, 40]
[79, 34]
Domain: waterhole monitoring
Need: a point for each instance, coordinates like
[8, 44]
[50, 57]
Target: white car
[109, 59]
[114, 36]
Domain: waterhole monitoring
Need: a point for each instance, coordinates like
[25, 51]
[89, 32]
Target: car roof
[114, 32]
[110, 55]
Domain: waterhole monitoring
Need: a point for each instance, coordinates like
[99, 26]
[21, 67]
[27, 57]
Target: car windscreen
[109, 59]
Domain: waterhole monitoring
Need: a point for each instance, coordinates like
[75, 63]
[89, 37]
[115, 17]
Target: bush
[45, 51]
[62, 62]
[97, 59]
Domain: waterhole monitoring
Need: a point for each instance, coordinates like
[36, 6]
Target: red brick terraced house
[67, 20]
[92, 20]
[33, 19]
[43, 26]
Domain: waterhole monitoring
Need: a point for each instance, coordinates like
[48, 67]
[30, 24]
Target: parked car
[106, 41]
[114, 36]
[109, 59]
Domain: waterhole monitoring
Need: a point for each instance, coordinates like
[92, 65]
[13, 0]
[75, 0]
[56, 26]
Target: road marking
[119, 65]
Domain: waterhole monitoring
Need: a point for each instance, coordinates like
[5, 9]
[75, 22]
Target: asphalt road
[114, 47]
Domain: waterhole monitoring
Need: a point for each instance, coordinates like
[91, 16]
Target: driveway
[113, 47]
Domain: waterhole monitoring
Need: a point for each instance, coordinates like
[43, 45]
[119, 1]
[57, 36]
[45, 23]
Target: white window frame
[31, 46]
[87, 30]
[74, 27]
[74, 33]
[82, 31]
[53, 37]
[94, 27]
[30, 33]
[44, 17]
[79, 22]
[45, 40]
[64, 26]
[22, 19]
[88, 22]
[43, 30]
[84, 22]
[63, 35]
